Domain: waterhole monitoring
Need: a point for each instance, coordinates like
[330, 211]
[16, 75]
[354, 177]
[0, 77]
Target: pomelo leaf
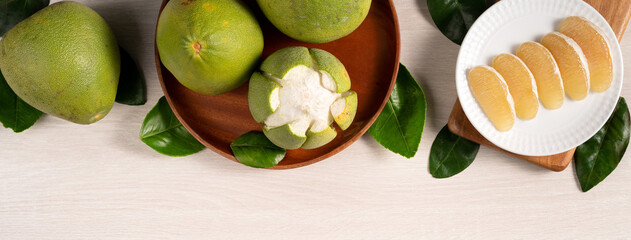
[595, 159]
[14, 112]
[400, 125]
[255, 150]
[163, 132]
[454, 17]
[14, 11]
[450, 154]
[132, 89]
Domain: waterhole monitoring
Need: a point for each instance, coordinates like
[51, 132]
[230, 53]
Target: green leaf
[14, 11]
[131, 84]
[255, 150]
[14, 112]
[454, 17]
[450, 154]
[595, 159]
[162, 131]
[400, 125]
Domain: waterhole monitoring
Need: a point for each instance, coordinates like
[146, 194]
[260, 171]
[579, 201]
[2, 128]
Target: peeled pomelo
[572, 64]
[318, 21]
[63, 60]
[521, 84]
[210, 46]
[298, 94]
[594, 45]
[491, 92]
[546, 72]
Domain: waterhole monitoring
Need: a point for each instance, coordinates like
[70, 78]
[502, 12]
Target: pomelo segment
[344, 109]
[491, 92]
[595, 47]
[572, 64]
[546, 72]
[521, 84]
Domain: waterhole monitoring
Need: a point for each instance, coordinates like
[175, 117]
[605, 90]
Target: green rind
[283, 137]
[280, 62]
[63, 60]
[319, 139]
[229, 37]
[345, 118]
[329, 63]
[315, 21]
[259, 94]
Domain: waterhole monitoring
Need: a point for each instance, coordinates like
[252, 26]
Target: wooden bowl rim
[338, 149]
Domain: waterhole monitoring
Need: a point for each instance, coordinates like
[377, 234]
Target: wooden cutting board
[617, 13]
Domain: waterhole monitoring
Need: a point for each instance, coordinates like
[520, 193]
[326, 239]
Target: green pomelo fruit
[315, 21]
[297, 94]
[210, 46]
[63, 60]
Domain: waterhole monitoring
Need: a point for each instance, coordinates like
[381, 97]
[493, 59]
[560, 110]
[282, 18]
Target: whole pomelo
[315, 21]
[63, 60]
[210, 46]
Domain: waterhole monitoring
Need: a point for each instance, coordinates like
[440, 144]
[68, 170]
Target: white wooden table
[60, 180]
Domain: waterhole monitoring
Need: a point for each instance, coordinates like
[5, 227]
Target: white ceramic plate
[501, 29]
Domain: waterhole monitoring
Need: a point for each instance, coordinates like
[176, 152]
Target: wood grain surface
[60, 180]
[617, 14]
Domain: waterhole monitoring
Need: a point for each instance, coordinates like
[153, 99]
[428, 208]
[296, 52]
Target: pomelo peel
[298, 101]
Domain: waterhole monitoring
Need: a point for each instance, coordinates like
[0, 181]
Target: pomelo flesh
[594, 45]
[572, 64]
[491, 93]
[521, 84]
[546, 72]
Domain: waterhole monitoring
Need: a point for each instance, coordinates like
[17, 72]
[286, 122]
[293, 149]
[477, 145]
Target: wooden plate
[370, 54]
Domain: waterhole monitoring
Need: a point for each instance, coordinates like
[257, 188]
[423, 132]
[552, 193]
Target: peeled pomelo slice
[546, 72]
[595, 47]
[572, 64]
[295, 96]
[521, 84]
[491, 92]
